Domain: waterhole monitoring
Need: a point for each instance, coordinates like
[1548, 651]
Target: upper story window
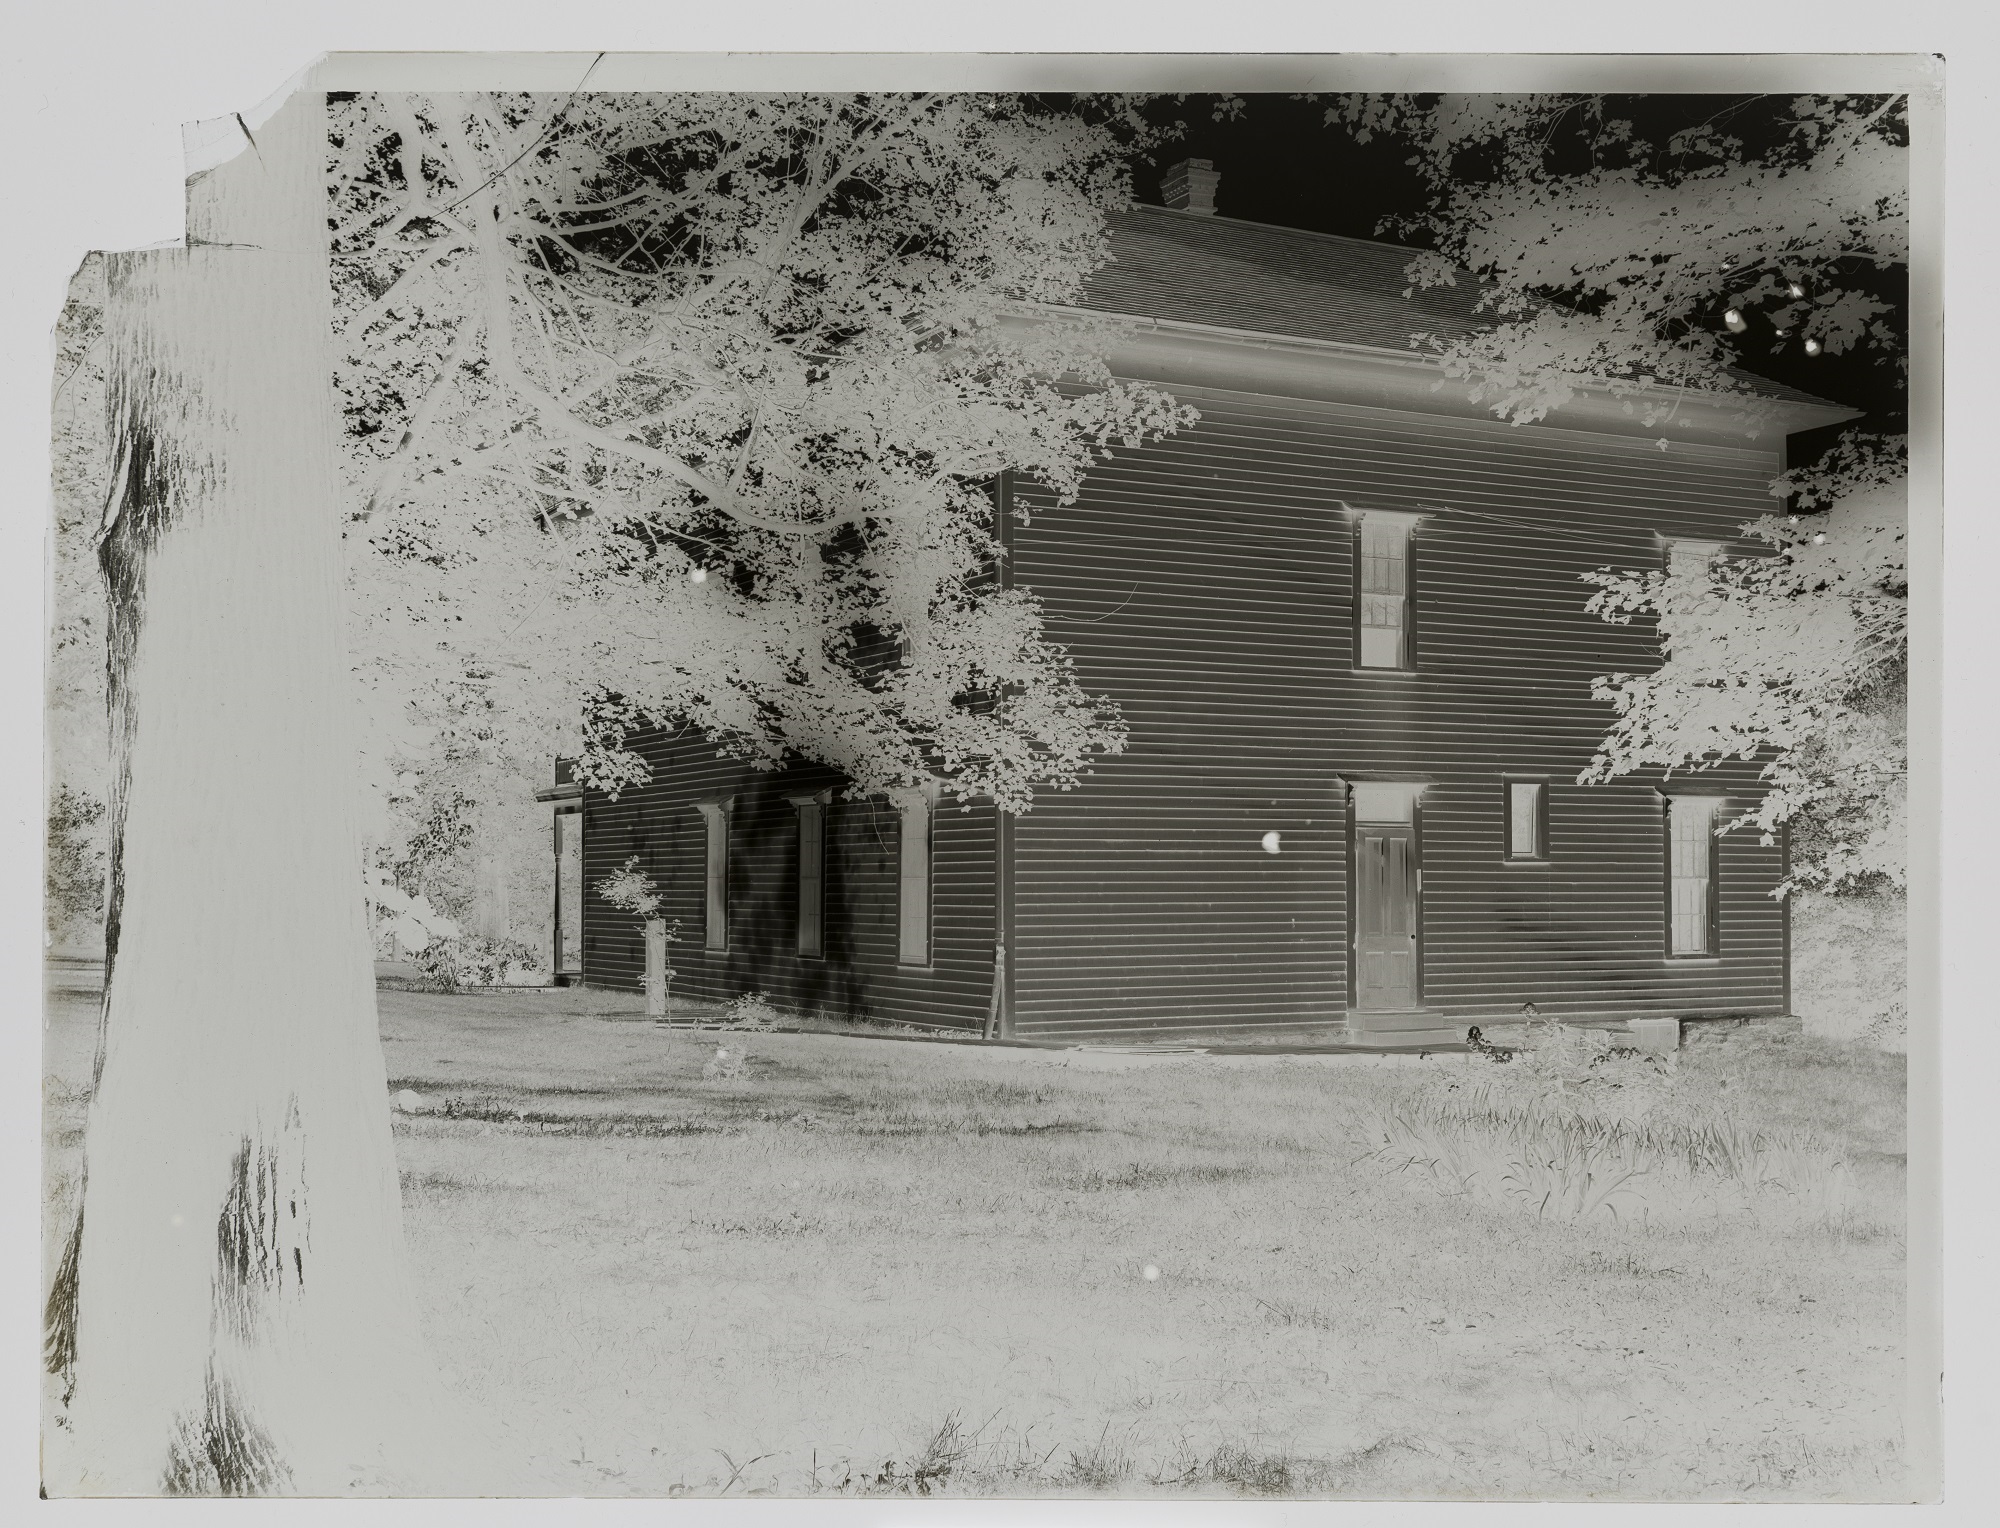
[1383, 590]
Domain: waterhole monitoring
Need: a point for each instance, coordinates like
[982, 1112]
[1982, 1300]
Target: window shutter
[715, 878]
[569, 890]
[913, 878]
[812, 872]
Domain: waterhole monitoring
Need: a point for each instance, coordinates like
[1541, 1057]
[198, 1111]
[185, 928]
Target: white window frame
[915, 810]
[1691, 876]
[809, 935]
[715, 816]
[1535, 795]
[1384, 596]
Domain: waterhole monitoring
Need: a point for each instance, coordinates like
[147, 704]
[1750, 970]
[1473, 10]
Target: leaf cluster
[656, 404]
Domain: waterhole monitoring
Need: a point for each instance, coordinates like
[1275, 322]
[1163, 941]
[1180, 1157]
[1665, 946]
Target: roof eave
[1409, 379]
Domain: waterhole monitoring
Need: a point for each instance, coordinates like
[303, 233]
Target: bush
[753, 1010]
[1571, 1068]
[474, 960]
[631, 890]
[1848, 967]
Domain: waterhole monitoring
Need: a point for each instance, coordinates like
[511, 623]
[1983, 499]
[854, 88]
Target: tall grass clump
[1573, 1127]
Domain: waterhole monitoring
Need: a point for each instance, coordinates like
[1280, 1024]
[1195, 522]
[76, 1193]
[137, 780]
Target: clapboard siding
[1206, 584]
[858, 972]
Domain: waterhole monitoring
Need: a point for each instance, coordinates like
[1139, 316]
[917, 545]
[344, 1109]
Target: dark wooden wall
[858, 973]
[1206, 583]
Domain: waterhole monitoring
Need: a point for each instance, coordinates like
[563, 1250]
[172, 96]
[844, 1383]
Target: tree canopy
[689, 405]
[1766, 235]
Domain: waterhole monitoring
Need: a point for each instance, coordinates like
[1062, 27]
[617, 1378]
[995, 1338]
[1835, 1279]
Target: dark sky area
[1280, 163]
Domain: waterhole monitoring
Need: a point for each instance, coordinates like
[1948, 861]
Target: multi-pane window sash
[1524, 820]
[1385, 591]
[1691, 873]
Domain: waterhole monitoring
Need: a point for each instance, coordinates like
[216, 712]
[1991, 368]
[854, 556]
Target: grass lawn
[871, 1265]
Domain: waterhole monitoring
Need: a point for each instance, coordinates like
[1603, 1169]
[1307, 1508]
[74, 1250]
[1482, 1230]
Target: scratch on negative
[1107, 614]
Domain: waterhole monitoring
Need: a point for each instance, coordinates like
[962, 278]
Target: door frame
[565, 796]
[563, 913]
[1351, 939]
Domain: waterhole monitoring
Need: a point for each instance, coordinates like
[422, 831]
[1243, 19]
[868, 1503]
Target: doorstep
[1402, 1029]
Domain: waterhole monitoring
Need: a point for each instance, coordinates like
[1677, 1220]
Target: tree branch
[552, 413]
[356, 326]
[421, 418]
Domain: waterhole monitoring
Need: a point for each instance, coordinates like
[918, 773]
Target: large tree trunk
[233, 1315]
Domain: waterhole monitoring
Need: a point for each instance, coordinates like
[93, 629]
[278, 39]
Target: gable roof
[1197, 268]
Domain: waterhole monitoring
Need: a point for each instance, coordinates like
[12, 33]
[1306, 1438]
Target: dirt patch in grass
[1150, 1175]
[543, 1121]
[899, 1124]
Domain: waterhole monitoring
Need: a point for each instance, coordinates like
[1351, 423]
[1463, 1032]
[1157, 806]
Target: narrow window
[715, 876]
[812, 873]
[913, 880]
[1691, 874]
[569, 891]
[1527, 820]
[1384, 590]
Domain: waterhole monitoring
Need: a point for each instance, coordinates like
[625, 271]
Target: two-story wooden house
[1344, 621]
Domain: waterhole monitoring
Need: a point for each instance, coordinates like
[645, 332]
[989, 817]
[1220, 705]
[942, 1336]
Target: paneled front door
[1385, 916]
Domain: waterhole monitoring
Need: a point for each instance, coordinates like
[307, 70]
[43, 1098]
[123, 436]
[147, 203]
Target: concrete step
[1439, 1035]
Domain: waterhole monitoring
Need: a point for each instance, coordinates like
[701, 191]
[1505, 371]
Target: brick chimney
[1190, 186]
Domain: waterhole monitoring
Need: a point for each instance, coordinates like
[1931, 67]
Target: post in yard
[996, 1008]
[656, 968]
